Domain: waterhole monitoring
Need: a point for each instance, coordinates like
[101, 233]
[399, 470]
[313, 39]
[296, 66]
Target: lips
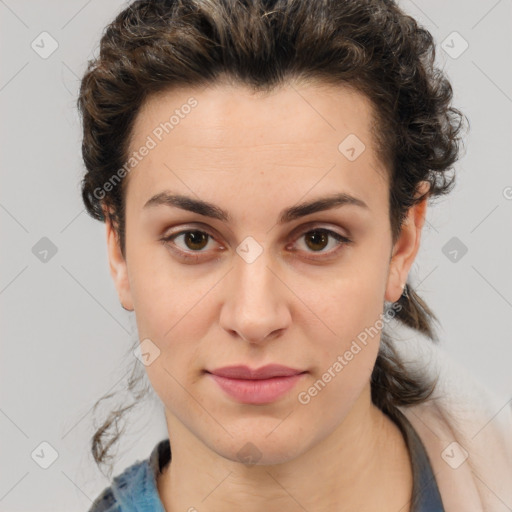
[256, 386]
[265, 372]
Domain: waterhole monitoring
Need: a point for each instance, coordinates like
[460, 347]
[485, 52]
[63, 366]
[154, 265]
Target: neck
[363, 464]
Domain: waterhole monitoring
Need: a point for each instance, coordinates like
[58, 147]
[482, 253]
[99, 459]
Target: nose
[255, 307]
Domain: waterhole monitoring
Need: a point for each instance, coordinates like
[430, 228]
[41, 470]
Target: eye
[193, 240]
[317, 239]
[197, 241]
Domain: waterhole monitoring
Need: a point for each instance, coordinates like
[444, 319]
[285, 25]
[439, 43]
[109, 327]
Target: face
[253, 277]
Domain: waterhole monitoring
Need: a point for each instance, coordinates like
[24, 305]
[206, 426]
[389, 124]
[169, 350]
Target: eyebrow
[289, 214]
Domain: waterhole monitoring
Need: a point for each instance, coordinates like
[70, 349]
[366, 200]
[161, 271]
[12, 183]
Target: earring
[404, 290]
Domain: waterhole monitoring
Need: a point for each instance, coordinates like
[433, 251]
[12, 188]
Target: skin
[255, 155]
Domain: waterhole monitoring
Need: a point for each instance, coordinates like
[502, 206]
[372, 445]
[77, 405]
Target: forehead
[223, 134]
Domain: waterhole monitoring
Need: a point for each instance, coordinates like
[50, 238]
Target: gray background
[64, 334]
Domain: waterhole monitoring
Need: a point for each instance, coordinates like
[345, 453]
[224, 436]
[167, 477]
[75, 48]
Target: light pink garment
[463, 419]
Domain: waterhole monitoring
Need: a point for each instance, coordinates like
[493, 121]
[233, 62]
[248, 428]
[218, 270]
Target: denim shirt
[135, 489]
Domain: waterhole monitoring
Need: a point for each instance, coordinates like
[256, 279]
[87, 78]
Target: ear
[118, 268]
[406, 247]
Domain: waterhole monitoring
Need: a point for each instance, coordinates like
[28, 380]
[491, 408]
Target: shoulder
[459, 399]
[110, 499]
[136, 484]
[105, 502]
[458, 395]
[464, 426]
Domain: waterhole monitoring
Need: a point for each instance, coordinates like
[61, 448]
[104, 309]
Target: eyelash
[341, 241]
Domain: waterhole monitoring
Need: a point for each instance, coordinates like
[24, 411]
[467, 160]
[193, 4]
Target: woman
[263, 169]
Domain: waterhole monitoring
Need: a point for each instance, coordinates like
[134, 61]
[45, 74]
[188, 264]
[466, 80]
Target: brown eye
[195, 240]
[191, 247]
[318, 239]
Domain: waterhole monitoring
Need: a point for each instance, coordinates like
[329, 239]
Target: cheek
[176, 328]
[347, 302]
[174, 310]
[345, 361]
[345, 330]
[163, 296]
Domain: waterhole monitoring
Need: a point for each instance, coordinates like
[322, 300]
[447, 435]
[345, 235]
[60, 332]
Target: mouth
[259, 386]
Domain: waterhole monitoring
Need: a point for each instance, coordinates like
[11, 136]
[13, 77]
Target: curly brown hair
[371, 45]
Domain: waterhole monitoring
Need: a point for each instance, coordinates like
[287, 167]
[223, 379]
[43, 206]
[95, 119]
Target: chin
[260, 450]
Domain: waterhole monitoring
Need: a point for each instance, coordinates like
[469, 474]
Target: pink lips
[258, 386]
